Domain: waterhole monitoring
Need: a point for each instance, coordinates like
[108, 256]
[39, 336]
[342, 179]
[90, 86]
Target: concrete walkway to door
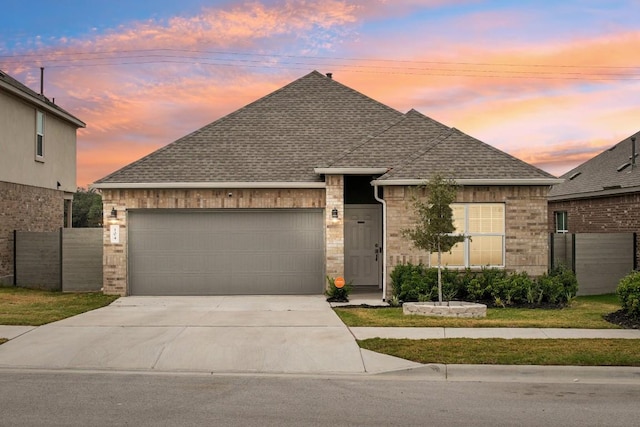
[251, 334]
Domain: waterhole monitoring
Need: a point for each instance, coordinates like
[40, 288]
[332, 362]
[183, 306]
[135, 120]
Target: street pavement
[263, 335]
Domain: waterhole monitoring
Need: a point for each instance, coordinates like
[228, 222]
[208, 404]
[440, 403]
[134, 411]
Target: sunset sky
[551, 82]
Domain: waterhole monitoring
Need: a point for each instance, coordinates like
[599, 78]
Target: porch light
[334, 214]
[114, 213]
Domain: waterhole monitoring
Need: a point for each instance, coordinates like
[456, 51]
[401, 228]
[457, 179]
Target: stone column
[334, 227]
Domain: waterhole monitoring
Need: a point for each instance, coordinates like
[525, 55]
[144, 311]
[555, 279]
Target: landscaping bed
[586, 312]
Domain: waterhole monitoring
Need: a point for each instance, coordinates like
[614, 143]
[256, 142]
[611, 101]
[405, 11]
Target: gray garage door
[226, 252]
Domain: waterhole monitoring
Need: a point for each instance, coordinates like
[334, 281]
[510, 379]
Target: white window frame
[39, 142]
[565, 220]
[468, 237]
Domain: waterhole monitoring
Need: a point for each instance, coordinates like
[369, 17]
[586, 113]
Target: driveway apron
[254, 334]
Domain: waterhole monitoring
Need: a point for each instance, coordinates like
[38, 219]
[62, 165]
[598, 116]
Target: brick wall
[614, 214]
[114, 256]
[526, 234]
[25, 208]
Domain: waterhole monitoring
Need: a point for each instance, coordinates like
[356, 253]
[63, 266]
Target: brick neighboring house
[602, 195]
[314, 179]
[37, 166]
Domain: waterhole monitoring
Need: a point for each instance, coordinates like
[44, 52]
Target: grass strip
[34, 307]
[498, 351]
[584, 312]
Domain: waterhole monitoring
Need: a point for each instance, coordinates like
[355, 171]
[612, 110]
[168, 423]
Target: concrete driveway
[252, 334]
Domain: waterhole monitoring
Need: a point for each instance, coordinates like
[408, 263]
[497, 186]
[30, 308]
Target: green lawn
[576, 352]
[584, 312]
[20, 306]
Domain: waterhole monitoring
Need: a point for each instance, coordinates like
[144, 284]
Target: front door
[363, 245]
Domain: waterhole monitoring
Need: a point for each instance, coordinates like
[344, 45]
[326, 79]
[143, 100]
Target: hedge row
[420, 283]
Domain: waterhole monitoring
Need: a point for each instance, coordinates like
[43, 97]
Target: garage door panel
[181, 252]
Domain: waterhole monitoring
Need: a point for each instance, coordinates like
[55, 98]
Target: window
[483, 226]
[39, 135]
[561, 222]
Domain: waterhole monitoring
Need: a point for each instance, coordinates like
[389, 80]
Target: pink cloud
[131, 110]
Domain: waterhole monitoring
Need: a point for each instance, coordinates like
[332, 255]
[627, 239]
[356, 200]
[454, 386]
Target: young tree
[434, 228]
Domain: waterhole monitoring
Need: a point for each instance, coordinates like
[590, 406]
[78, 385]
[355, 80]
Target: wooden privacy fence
[599, 260]
[68, 260]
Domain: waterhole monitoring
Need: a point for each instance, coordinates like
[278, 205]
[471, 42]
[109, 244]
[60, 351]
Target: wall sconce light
[334, 214]
[114, 213]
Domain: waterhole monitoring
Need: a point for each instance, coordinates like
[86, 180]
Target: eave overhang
[195, 185]
[350, 171]
[474, 181]
[39, 103]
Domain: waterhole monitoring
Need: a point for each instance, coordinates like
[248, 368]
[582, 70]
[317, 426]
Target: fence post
[60, 254]
[15, 257]
[551, 252]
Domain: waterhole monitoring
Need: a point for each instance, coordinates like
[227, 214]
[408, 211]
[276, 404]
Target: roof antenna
[42, 81]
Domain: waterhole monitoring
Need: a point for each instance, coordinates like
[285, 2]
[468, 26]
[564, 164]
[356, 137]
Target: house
[37, 166]
[602, 195]
[312, 180]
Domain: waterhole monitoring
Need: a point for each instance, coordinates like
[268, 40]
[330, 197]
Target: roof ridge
[366, 140]
[441, 137]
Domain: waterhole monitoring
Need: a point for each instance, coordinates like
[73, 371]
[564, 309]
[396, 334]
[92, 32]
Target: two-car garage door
[226, 252]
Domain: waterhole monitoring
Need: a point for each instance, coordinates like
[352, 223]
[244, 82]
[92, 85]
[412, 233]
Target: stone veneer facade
[25, 208]
[525, 212]
[526, 233]
[611, 214]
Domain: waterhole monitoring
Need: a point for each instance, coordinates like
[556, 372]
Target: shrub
[629, 293]
[409, 282]
[336, 294]
[551, 288]
[568, 279]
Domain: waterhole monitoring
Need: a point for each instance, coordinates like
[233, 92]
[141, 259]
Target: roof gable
[610, 172]
[316, 125]
[458, 156]
[280, 137]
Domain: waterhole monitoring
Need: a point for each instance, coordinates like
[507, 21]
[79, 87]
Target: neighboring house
[312, 180]
[601, 195]
[37, 166]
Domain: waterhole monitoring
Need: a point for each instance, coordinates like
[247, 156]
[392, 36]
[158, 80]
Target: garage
[226, 251]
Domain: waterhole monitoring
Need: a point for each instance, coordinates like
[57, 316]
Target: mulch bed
[622, 319]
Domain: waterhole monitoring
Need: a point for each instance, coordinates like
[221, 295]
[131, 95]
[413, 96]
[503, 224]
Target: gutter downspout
[384, 241]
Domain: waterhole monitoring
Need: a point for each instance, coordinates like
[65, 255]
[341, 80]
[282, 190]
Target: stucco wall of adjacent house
[526, 228]
[114, 255]
[18, 162]
[612, 214]
[25, 208]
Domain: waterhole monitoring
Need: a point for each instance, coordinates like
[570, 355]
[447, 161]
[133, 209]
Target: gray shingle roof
[459, 156]
[316, 122]
[280, 137]
[608, 173]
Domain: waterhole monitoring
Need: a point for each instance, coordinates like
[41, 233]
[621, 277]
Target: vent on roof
[330, 75]
[623, 167]
[612, 148]
[611, 187]
[574, 176]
